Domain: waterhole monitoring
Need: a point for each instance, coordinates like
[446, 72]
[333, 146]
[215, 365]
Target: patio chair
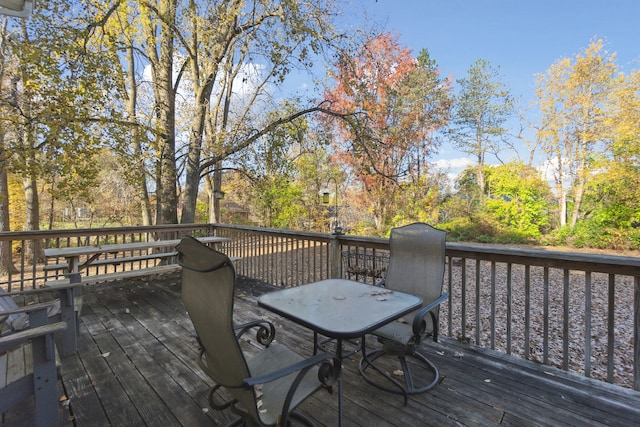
[265, 388]
[28, 365]
[416, 266]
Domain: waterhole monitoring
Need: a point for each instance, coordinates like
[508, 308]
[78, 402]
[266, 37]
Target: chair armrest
[327, 373]
[47, 288]
[264, 335]
[67, 293]
[419, 324]
[12, 340]
[28, 308]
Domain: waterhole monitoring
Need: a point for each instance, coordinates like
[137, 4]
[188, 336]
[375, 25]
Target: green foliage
[590, 234]
[515, 207]
[482, 229]
[277, 200]
[518, 198]
[419, 201]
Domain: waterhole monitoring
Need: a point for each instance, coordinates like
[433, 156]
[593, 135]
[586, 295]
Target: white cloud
[458, 163]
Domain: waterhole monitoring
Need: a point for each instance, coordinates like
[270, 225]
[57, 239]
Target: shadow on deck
[136, 366]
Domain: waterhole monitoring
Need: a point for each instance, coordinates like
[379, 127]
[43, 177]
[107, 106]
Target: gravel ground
[577, 312]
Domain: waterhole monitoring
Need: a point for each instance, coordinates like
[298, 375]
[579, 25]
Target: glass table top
[340, 308]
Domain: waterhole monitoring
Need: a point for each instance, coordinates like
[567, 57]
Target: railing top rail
[320, 237]
[369, 242]
[548, 258]
[43, 234]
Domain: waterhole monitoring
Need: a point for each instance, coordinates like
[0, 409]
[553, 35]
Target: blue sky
[522, 38]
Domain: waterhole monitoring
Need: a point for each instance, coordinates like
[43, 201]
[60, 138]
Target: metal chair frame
[416, 266]
[285, 379]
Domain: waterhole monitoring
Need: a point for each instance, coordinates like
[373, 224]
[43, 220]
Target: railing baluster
[611, 328]
[493, 305]
[565, 320]
[463, 299]
[527, 312]
[636, 333]
[587, 324]
[478, 316]
[509, 300]
[451, 297]
[545, 317]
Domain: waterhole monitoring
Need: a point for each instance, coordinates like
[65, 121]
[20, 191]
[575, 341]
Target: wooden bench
[28, 367]
[114, 260]
[64, 300]
[119, 275]
[73, 266]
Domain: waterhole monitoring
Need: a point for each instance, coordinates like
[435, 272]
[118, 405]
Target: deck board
[137, 366]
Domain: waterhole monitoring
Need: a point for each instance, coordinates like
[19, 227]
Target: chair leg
[367, 361]
[236, 423]
[393, 385]
[45, 381]
[292, 416]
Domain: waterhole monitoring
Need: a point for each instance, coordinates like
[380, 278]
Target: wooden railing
[578, 312]
[26, 270]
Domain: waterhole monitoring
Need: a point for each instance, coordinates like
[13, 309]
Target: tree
[199, 50]
[252, 52]
[288, 169]
[574, 102]
[480, 110]
[54, 88]
[518, 198]
[610, 214]
[401, 100]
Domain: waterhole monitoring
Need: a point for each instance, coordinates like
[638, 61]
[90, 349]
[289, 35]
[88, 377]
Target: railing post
[636, 334]
[335, 257]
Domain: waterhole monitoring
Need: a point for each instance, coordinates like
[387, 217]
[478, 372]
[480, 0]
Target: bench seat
[114, 261]
[118, 275]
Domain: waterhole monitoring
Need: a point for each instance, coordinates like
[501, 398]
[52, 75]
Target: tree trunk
[162, 65]
[6, 260]
[210, 199]
[140, 171]
[192, 180]
[33, 248]
[577, 204]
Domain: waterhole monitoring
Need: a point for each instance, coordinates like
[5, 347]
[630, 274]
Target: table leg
[339, 357]
[315, 343]
[73, 262]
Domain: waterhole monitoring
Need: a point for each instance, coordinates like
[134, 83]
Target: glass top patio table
[339, 308]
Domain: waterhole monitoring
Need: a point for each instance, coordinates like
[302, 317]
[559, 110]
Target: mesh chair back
[208, 282]
[417, 260]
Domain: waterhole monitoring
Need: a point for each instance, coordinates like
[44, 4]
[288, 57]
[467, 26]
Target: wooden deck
[136, 366]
